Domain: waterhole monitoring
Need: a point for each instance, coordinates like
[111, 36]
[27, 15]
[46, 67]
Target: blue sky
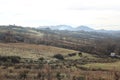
[98, 14]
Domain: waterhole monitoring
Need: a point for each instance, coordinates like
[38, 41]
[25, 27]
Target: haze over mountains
[71, 28]
[67, 27]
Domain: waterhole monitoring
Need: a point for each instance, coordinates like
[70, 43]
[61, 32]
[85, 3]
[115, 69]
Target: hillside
[45, 54]
[85, 41]
[31, 50]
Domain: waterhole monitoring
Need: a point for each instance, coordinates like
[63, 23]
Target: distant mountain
[84, 28]
[69, 28]
[61, 27]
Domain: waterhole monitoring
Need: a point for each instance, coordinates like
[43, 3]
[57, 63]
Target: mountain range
[67, 27]
[79, 28]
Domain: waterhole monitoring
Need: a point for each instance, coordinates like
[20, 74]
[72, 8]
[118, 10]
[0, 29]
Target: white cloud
[95, 13]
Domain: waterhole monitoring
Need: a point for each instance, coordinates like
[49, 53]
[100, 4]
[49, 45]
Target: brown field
[68, 69]
[35, 72]
[31, 50]
[108, 66]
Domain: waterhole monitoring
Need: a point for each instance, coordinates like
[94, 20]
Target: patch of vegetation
[10, 59]
[59, 56]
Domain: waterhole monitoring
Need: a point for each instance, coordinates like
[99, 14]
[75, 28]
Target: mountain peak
[70, 28]
[84, 28]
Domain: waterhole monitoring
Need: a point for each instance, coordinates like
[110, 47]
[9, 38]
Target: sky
[97, 14]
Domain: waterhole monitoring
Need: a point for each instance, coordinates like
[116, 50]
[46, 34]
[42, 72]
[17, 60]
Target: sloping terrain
[93, 42]
[31, 50]
[29, 54]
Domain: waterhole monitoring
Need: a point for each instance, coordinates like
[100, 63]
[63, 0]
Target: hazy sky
[98, 14]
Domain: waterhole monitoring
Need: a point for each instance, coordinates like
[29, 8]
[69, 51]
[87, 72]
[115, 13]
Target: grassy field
[31, 50]
[69, 69]
[106, 66]
[34, 72]
[36, 51]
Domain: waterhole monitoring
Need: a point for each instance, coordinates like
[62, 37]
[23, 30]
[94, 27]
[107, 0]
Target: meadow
[36, 62]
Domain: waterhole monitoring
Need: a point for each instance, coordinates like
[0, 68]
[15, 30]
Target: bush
[10, 59]
[72, 54]
[39, 75]
[15, 59]
[81, 78]
[41, 59]
[59, 56]
[23, 75]
[59, 76]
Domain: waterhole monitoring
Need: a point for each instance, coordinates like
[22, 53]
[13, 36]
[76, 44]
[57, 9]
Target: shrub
[23, 75]
[59, 56]
[15, 59]
[81, 78]
[41, 59]
[10, 59]
[72, 54]
[59, 76]
[39, 75]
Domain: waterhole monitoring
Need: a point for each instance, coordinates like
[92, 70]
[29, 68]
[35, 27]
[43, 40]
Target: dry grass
[32, 74]
[31, 50]
[107, 66]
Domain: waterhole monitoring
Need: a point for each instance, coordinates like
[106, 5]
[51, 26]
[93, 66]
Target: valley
[45, 54]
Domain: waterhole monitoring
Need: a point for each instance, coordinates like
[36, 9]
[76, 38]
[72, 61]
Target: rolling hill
[93, 42]
[31, 51]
